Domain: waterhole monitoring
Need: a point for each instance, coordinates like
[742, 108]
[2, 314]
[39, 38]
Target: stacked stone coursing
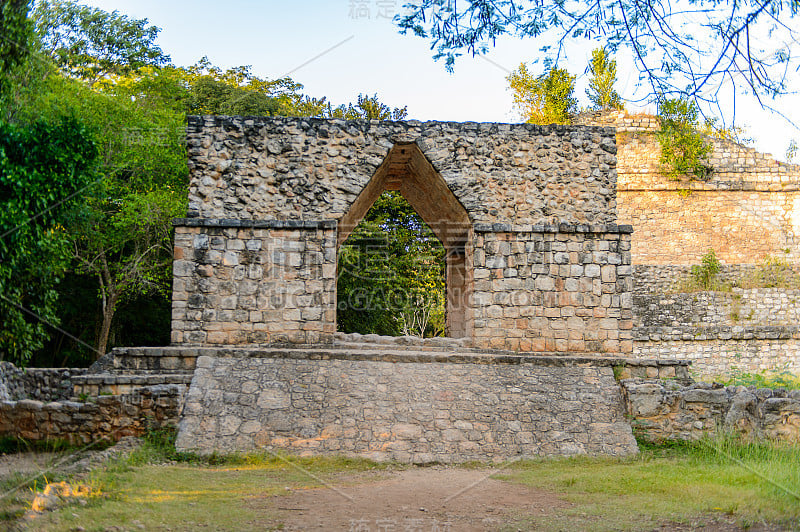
[108, 417]
[404, 407]
[748, 208]
[668, 411]
[269, 283]
[562, 290]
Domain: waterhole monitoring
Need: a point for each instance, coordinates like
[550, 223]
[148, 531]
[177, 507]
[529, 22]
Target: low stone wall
[722, 351]
[107, 417]
[404, 408]
[43, 384]
[553, 288]
[667, 278]
[751, 307]
[668, 411]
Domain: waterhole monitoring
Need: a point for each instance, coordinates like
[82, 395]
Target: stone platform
[416, 404]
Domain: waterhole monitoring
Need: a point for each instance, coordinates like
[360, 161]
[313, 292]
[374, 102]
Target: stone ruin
[538, 358]
[527, 216]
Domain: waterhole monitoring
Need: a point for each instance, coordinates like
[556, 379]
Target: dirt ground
[420, 499]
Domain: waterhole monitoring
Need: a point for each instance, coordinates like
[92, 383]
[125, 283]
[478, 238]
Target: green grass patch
[191, 495]
[765, 379]
[748, 482]
[689, 483]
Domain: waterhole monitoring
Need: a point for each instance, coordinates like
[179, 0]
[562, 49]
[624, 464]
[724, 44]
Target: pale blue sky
[278, 38]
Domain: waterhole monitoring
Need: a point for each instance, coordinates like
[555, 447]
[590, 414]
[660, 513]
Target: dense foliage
[45, 169]
[391, 273]
[683, 149]
[544, 99]
[100, 263]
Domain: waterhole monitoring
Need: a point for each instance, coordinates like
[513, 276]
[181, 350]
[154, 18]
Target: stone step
[94, 385]
[155, 361]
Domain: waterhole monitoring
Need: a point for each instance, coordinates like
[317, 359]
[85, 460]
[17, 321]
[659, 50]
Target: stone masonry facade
[272, 198]
[748, 208]
[312, 169]
[404, 408]
[553, 291]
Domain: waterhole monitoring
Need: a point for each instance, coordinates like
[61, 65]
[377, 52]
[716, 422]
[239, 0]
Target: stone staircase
[124, 370]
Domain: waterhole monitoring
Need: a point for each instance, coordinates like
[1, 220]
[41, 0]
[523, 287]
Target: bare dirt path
[420, 499]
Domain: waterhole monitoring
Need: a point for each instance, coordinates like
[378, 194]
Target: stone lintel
[255, 224]
[552, 228]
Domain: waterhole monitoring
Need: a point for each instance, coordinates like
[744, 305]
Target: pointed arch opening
[408, 172]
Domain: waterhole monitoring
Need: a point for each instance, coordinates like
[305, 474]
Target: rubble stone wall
[43, 384]
[669, 411]
[471, 408]
[109, 417]
[312, 169]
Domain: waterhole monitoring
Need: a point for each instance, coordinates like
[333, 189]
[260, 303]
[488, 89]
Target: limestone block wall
[254, 282]
[404, 408]
[301, 168]
[749, 208]
[721, 351]
[551, 288]
[108, 417]
[668, 411]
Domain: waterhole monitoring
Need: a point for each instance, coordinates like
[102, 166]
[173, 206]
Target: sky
[341, 48]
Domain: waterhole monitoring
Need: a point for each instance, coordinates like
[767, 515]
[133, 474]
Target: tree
[683, 149]
[601, 85]
[16, 39]
[369, 107]
[693, 49]
[391, 273]
[44, 169]
[546, 99]
[89, 43]
[127, 246]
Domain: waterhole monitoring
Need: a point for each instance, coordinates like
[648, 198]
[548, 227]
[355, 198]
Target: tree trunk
[105, 328]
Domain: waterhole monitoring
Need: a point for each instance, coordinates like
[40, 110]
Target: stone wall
[238, 281]
[43, 384]
[720, 351]
[567, 289]
[108, 417]
[746, 307]
[405, 408]
[749, 207]
[300, 168]
[669, 411]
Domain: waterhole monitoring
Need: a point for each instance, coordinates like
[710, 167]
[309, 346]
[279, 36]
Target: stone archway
[405, 169]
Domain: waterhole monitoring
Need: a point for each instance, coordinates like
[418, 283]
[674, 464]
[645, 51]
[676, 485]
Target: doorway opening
[407, 269]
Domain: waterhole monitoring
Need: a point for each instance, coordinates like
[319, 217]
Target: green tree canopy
[546, 99]
[89, 43]
[45, 169]
[601, 90]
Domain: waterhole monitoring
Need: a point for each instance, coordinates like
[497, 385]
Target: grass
[680, 483]
[689, 483]
[765, 379]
